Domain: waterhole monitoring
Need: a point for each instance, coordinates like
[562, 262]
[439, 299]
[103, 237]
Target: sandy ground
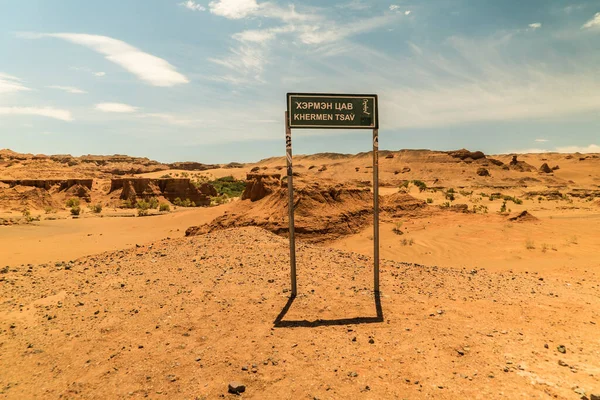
[181, 318]
[565, 243]
[67, 239]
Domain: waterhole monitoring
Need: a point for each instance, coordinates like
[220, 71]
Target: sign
[332, 111]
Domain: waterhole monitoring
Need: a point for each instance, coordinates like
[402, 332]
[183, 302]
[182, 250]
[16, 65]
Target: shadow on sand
[280, 323]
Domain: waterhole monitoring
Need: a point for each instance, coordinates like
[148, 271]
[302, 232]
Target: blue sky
[206, 80]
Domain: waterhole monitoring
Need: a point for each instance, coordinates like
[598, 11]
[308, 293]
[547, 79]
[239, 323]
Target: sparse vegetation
[229, 185]
[445, 204]
[143, 207]
[420, 184]
[153, 203]
[96, 208]
[128, 204]
[407, 242]
[75, 210]
[184, 203]
[215, 201]
[450, 194]
[429, 200]
[503, 207]
[164, 207]
[72, 202]
[398, 228]
[480, 209]
[49, 210]
[529, 245]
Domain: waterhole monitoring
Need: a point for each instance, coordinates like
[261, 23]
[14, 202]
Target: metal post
[376, 208]
[288, 156]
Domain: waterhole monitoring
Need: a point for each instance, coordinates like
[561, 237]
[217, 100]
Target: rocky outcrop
[193, 166]
[170, 188]
[323, 211]
[545, 169]
[524, 216]
[208, 189]
[520, 166]
[234, 165]
[466, 155]
[47, 184]
[483, 172]
[260, 185]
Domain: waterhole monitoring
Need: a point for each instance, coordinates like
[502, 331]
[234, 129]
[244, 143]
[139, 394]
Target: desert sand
[490, 278]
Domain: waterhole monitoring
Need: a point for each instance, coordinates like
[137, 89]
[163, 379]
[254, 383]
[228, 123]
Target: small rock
[245, 368]
[595, 396]
[546, 346]
[236, 388]
[371, 341]
[561, 349]
[562, 363]
[579, 391]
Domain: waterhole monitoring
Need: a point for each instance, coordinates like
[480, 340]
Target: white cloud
[68, 89]
[238, 9]
[50, 112]
[9, 84]
[116, 108]
[100, 73]
[233, 9]
[327, 33]
[394, 7]
[592, 148]
[407, 12]
[147, 67]
[592, 23]
[191, 5]
[541, 140]
[535, 25]
[257, 36]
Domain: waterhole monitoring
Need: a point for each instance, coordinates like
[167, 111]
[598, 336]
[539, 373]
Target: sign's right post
[376, 209]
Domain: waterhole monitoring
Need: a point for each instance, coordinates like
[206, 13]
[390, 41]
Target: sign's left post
[290, 184]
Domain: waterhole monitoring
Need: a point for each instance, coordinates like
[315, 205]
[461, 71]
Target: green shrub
[215, 201]
[164, 207]
[49, 210]
[96, 208]
[184, 203]
[429, 200]
[143, 206]
[503, 208]
[404, 184]
[75, 210]
[73, 202]
[153, 203]
[420, 184]
[229, 185]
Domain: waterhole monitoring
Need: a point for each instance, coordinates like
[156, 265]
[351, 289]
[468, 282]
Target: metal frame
[290, 183]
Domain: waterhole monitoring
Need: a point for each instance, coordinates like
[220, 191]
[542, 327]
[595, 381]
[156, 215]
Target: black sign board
[332, 111]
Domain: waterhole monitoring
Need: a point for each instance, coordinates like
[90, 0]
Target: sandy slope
[66, 239]
[181, 318]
